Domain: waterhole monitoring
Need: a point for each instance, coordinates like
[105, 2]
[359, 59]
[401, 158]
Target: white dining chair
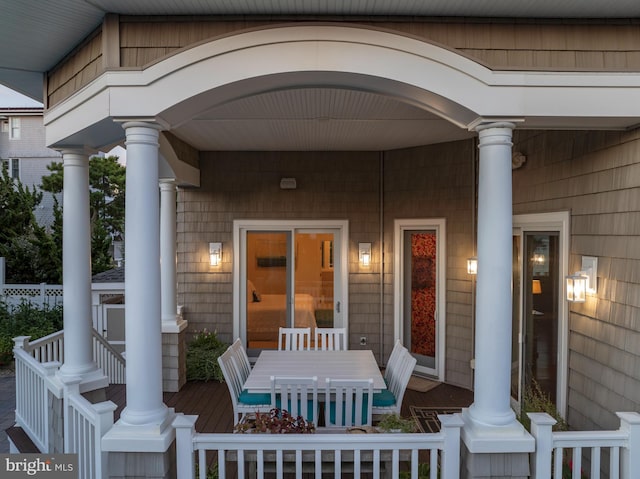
[331, 339]
[350, 402]
[244, 403]
[393, 358]
[242, 360]
[390, 400]
[298, 395]
[294, 339]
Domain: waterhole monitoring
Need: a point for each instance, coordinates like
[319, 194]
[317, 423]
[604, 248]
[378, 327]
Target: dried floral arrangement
[276, 421]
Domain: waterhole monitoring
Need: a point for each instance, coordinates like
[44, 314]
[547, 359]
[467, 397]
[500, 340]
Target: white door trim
[555, 221]
[439, 225]
[240, 228]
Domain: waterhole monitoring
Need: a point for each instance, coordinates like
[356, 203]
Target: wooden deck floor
[210, 401]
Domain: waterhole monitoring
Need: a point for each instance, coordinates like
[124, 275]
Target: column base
[145, 438]
[89, 380]
[494, 465]
[483, 438]
[142, 465]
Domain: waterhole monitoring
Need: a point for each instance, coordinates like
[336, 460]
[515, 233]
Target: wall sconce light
[215, 254]
[590, 269]
[472, 265]
[577, 287]
[364, 254]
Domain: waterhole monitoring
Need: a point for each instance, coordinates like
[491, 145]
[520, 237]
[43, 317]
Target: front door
[421, 292]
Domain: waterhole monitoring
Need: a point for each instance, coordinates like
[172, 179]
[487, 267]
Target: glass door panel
[420, 297]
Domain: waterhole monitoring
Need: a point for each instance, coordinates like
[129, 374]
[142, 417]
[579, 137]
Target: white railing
[34, 382]
[84, 425]
[381, 454]
[51, 348]
[108, 359]
[569, 449]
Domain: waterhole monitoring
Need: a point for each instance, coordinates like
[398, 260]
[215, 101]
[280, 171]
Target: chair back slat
[294, 339]
[331, 339]
[350, 404]
[241, 358]
[298, 395]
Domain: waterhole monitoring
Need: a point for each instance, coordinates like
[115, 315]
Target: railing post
[105, 412]
[450, 462]
[630, 456]
[185, 427]
[541, 430]
[71, 387]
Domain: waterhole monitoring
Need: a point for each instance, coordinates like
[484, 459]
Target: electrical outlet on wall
[363, 340]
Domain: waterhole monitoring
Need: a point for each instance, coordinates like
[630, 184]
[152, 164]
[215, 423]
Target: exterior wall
[611, 45]
[430, 182]
[595, 175]
[34, 159]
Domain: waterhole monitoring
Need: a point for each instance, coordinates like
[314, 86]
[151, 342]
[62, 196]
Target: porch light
[215, 254]
[472, 265]
[577, 287]
[590, 269]
[364, 253]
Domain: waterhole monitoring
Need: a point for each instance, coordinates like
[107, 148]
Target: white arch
[439, 80]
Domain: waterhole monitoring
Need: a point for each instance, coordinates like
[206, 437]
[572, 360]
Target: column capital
[154, 123]
[495, 124]
[167, 184]
[74, 151]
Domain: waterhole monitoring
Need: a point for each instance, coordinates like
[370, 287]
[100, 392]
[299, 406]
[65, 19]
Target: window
[13, 167]
[14, 128]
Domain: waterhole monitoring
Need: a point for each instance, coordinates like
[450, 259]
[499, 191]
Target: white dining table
[352, 364]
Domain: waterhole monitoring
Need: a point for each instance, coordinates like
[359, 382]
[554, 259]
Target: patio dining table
[352, 364]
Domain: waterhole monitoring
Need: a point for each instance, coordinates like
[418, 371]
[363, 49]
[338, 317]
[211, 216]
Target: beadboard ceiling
[36, 34]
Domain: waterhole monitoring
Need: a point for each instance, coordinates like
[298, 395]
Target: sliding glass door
[289, 276]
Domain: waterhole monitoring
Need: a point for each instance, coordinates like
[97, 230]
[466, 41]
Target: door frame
[543, 222]
[240, 228]
[439, 225]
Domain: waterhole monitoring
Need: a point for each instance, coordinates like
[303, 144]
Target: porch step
[21, 441]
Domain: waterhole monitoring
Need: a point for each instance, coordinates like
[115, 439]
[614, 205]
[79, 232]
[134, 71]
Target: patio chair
[298, 395]
[350, 403]
[393, 358]
[244, 403]
[331, 339]
[295, 339]
[242, 360]
[390, 399]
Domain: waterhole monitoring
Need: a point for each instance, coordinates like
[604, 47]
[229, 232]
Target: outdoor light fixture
[590, 269]
[215, 254]
[577, 287]
[472, 265]
[364, 253]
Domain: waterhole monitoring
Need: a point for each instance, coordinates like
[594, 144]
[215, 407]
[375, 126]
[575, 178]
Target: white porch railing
[620, 449]
[380, 454]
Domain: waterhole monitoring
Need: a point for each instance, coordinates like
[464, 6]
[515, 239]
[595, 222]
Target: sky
[12, 99]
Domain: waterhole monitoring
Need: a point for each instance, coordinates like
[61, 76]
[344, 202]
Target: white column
[143, 337]
[168, 277]
[76, 274]
[491, 414]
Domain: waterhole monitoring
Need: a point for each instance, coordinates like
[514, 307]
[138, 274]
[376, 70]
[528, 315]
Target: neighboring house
[346, 167]
[23, 150]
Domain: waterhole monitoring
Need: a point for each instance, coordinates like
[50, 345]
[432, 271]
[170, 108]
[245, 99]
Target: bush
[202, 357]
[26, 320]
[535, 400]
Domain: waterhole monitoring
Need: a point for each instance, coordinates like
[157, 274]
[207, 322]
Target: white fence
[41, 295]
[610, 454]
[38, 387]
[383, 455]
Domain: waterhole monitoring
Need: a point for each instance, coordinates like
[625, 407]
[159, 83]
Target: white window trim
[556, 221]
[239, 230]
[439, 225]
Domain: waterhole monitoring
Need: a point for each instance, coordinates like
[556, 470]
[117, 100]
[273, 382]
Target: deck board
[210, 401]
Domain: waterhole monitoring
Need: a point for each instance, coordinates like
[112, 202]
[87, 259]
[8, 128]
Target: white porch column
[168, 254]
[490, 423]
[142, 279]
[76, 274]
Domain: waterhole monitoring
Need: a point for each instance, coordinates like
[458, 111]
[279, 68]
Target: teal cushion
[364, 412]
[310, 411]
[384, 398]
[254, 398]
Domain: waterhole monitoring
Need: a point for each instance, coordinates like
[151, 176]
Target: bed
[266, 316]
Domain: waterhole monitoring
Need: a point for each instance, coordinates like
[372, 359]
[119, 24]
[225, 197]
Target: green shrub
[535, 400]
[26, 320]
[202, 357]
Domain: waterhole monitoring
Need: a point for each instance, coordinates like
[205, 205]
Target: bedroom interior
[267, 285]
